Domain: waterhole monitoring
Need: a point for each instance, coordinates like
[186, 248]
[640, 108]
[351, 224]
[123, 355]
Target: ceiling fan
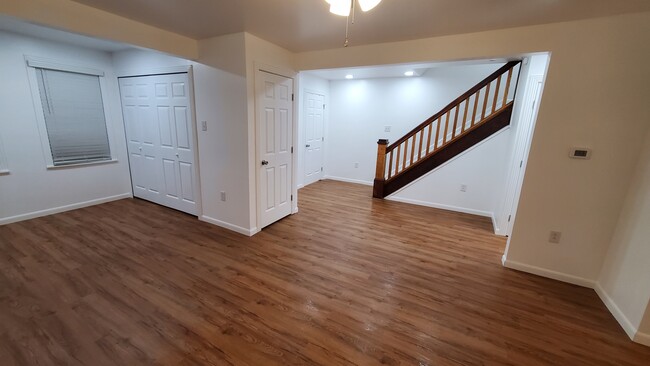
[346, 8]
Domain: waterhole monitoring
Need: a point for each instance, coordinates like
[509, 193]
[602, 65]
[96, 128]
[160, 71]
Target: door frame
[181, 69]
[535, 89]
[304, 133]
[289, 74]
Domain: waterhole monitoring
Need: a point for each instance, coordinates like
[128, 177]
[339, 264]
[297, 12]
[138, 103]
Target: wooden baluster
[505, 95]
[496, 94]
[406, 144]
[453, 132]
[485, 100]
[429, 138]
[390, 164]
[420, 145]
[476, 98]
[444, 137]
[378, 186]
[435, 147]
[465, 115]
[413, 148]
[399, 147]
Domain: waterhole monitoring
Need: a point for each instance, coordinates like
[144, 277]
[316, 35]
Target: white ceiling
[302, 25]
[20, 27]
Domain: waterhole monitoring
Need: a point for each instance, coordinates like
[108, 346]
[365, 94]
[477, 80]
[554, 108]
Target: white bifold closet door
[160, 139]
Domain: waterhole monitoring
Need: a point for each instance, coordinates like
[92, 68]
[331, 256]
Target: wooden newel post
[380, 172]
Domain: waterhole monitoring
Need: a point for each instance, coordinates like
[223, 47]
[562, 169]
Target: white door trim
[183, 69]
[290, 74]
[523, 140]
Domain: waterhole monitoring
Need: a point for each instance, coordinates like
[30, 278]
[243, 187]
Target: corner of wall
[575, 280]
[642, 338]
[620, 317]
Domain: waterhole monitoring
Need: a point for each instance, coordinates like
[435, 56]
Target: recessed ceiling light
[409, 73]
[349, 76]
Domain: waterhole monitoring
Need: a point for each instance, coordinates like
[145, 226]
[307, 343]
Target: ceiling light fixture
[349, 76]
[409, 73]
[346, 8]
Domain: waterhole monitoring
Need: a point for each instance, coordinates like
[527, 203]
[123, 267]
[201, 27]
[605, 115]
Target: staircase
[480, 112]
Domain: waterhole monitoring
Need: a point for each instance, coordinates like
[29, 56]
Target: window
[74, 116]
[73, 123]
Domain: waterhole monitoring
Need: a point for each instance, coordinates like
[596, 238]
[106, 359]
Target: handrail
[456, 102]
[480, 104]
[456, 138]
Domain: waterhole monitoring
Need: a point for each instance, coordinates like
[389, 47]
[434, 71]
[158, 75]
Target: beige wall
[645, 323]
[74, 17]
[625, 277]
[595, 96]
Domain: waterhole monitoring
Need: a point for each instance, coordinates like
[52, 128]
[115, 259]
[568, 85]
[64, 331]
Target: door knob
[176, 154]
[307, 145]
[264, 162]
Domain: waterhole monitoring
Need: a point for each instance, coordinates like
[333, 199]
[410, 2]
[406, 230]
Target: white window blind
[74, 116]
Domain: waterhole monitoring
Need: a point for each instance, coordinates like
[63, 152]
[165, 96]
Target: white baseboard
[348, 180]
[54, 210]
[441, 206]
[495, 226]
[642, 338]
[229, 226]
[625, 323]
[580, 281]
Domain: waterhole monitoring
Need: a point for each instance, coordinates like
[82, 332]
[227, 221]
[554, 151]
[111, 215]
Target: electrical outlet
[387, 128]
[554, 237]
[204, 125]
[356, 165]
[463, 187]
[223, 196]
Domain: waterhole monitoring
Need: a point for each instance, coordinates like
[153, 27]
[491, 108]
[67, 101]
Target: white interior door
[314, 136]
[160, 139]
[274, 128]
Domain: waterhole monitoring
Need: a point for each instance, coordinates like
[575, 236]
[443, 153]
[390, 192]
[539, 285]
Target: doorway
[161, 139]
[274, 130]
[314, 108]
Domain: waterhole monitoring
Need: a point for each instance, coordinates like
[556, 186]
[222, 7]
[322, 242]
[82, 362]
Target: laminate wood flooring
[349, 280]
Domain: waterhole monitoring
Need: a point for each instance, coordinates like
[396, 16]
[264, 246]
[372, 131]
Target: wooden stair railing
[448, 132]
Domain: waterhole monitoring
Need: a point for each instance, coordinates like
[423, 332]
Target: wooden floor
[347, 281]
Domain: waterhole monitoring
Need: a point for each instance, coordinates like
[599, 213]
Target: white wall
[220, 100]
[360, 110]
[134, 61]
[624, 281]
[83, 19]
[480, 168]
[30, 189]
[311, 83]
[224, 85]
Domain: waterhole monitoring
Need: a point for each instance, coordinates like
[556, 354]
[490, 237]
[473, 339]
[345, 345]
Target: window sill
[76, 165]
[4, 171]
